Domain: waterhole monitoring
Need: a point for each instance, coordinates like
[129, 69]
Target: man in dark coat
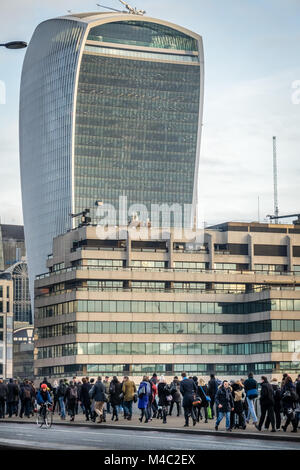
[266, 404]
[224, 402]
[3, 397]
[212, 391]
[12, 398]
[84, 398]
[98, 393]
[188, 390]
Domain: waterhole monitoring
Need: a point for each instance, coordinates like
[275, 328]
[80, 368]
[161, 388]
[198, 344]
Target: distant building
[6, 325]
[23, 351]
[12, 245]
[134, 304]
[21, 304]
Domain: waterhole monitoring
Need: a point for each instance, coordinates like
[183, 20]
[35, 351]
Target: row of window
[167, 348]
[180, 328]
[2, 290]
[132, 306]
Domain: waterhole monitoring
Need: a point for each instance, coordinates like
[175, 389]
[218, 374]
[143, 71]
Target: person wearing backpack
[72, 397]
[26, 398]
[266, 404]
[115, 390]
[289, 399]
[60, 395]
[175, 392]
[238, 395]
[3, 397]
[250, 386]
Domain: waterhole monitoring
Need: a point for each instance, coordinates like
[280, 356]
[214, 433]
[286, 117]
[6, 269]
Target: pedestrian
[85, 399]
[98, 393]
[115, 391]
[153, 408]
[277, 405]
[144, 393]
[250, 386]
[107, 385]
[205, 399]
[60, 396]
[154, 405]
[129, 390]
[72, 398]
[237, 418]
[54, 391]
[297, 410]
[212, 386]
[3, 398]
[188, 391]
[164, 397]
[289, 399]
[26, 397]
[12, 394]
[176, 396]
[225, 405]
[266, 404]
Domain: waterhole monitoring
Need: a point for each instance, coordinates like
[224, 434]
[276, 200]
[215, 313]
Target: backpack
[73, 393]
[27, 393]
[142, 392]
[238, 395]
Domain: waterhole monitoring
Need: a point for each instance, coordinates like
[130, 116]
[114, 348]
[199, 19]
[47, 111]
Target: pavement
[174, 425]
[28, 436]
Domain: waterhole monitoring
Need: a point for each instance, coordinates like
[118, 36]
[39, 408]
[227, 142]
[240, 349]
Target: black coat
[188, 389]
[115, 390]
[212, 388]
[84, 393]
[266, 394]
[202, 393]
[163, 390]
[12, 392]
[3, 391]
[224, 398]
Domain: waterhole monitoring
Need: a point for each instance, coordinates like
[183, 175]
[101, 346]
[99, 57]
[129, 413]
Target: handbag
[209, 413]
[207, 398]
[169, 398]
[197, 400]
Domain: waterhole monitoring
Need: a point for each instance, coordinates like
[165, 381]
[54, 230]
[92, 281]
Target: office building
[23, 351]
[134, 304]
[12, 245]
[110, 106]
[6, 325]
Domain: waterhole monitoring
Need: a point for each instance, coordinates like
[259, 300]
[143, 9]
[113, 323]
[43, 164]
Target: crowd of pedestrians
[156, 399]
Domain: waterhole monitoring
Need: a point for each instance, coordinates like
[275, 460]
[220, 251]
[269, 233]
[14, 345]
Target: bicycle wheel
[48, 419]
[39, 420]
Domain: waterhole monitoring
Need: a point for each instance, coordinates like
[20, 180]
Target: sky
[251, 93]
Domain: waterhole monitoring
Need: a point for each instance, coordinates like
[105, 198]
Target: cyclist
[43, 397]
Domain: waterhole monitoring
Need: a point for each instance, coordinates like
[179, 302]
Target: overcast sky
[252, 59]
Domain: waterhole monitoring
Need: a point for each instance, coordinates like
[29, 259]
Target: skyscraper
[111, 105]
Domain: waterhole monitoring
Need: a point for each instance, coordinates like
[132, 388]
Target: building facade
[23, 351]
[12, 245]
[131, 302]
[6, 326]
[110, 106]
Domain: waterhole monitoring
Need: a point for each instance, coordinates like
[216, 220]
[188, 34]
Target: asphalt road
[63, 438]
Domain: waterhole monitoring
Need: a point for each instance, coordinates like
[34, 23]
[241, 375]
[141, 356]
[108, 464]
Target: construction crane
[276, 217]
[276, 209]
[132, 10]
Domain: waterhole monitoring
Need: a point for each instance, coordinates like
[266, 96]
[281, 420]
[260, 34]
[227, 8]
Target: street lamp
[14, 45]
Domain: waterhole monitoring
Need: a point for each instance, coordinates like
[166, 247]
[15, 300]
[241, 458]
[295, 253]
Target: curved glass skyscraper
[110, 106]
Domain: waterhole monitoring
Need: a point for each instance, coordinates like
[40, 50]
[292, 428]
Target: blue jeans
[62, 407]
[251, 410]
[221, 416]
[127, 405]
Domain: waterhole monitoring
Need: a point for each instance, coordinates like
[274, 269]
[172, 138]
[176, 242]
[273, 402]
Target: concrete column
[289, 249]
[250, 252]
[169, 244]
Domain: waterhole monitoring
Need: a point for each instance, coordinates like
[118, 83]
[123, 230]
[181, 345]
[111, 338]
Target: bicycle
[45, 416]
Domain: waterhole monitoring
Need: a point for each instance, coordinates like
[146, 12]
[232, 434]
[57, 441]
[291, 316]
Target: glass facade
[136, 131]
[46, 105]
[114, 121]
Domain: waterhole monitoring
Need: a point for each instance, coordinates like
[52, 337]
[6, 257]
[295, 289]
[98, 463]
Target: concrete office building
[133, 304]
[6, 325]
[23, 351]
[110, 106]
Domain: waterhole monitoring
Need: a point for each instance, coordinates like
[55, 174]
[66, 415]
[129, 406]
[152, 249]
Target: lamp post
[14, 45]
